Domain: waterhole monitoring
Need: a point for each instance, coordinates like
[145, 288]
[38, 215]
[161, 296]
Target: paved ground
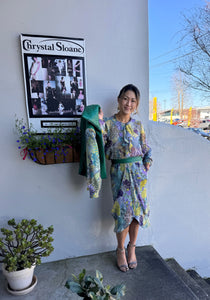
[152, 280]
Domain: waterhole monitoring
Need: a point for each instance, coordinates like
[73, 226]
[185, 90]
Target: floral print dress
[128, 180]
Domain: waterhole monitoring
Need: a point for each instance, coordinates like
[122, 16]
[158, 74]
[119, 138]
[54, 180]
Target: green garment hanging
[90, 120]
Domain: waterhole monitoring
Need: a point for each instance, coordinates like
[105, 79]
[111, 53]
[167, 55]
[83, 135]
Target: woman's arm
[147, 152]
[93, 164]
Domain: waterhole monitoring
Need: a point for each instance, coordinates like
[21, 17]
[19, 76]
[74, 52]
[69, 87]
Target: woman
[125, 145]
[77, 68]
[63, 86]
[35, 69]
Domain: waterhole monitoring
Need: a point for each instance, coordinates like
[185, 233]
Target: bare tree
[181, 98]
[195, 46]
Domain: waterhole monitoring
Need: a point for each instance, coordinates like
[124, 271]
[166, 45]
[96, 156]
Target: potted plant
[91, 287]
[21, 249]
[51, 147]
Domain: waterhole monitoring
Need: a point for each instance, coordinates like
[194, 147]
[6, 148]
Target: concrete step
[196, 288]
[201, 281]
[152, 280]
[207, 280]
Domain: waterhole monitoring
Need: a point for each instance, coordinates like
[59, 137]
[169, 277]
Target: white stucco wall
[116, 35]
[180, 196]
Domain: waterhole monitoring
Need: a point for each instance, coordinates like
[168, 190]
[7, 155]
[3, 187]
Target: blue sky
[165, 22]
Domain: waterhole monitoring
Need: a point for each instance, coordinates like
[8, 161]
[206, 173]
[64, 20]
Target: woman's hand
[100, 114]
[147, 166]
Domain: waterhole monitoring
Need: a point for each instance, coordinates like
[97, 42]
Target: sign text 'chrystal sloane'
[52, 46]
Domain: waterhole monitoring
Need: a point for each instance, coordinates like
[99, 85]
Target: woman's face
[128, 103]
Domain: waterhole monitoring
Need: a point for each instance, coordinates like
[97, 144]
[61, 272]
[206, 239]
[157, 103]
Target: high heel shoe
[131, 264]
[122, 268]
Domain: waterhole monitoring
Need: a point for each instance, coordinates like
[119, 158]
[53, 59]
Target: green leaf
[75, 287]
[75, 278]
[82, 275]
[92, 295]
[118, 290]
[67, 284]
[98, 283]
[88, 279]
[99, 275]
[11, 222]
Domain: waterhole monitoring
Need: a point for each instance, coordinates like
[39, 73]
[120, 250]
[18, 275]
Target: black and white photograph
[54, 73]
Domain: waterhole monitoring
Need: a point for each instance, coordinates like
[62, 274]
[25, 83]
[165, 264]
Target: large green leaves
[91, 287]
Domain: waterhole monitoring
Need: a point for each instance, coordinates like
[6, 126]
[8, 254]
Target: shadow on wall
[78, 181]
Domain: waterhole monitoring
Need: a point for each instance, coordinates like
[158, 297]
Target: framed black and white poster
[55, 80]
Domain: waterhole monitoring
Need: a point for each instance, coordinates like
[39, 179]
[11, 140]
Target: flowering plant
[57, 141]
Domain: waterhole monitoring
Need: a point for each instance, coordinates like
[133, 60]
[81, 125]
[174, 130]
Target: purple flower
[18, 141]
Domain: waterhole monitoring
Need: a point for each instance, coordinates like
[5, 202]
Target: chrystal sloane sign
[55, 81]
[49, 45]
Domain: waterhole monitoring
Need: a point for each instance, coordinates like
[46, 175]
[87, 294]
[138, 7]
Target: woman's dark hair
[130, 87]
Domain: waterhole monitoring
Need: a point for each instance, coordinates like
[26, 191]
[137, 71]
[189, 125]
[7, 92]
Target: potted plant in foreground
[21, 249]
[91, 287]
[51, 147]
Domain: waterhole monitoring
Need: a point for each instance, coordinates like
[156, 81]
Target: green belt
[127, 160]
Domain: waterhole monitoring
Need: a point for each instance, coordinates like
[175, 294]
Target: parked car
[201, 132]
[181, 123]
[204, 124]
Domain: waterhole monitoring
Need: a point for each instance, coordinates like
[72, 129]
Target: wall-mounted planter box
[64, 154]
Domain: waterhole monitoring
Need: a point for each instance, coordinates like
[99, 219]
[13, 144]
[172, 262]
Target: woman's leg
[121, 257]
[133, 233]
